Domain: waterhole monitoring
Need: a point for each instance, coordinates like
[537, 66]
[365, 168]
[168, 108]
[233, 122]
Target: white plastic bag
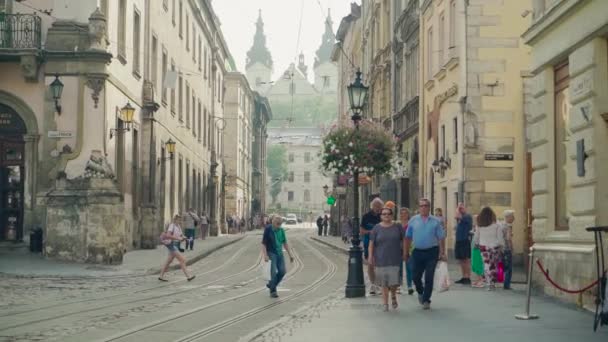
[265, 269]
[441, 281]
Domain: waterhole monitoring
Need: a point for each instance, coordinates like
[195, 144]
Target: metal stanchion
[527, 315]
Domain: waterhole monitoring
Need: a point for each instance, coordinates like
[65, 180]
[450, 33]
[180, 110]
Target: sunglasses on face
[424, 205]
[386, 214]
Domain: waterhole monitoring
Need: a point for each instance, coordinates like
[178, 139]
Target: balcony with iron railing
[20, 32]
[406, 121]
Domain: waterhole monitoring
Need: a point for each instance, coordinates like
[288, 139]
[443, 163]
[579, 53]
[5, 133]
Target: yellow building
[567, 134]
[471, 110]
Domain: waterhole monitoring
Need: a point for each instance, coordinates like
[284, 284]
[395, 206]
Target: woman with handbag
[171, 239]
[490, 239]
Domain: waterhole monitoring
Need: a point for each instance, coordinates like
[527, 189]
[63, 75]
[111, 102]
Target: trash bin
[36, 240]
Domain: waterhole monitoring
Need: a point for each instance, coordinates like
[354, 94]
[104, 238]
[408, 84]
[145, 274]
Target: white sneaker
[372, 290]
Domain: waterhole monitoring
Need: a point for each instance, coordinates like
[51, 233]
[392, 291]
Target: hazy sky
[281, 22]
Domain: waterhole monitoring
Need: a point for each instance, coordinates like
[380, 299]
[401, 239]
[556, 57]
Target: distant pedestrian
[428, 236]
[174, 233]
[462, 248]
[368, 222]
[204, 223]
[439, 215]
[274, 239]
[325, 225]
[490, 239]
[190, 220]
[385, 248]
[476, 259]
[320, 226]
[507, 259]
[404, 218]
[347, 229]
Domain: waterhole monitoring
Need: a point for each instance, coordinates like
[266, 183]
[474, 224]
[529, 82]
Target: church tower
[259, 60]
[326, 71]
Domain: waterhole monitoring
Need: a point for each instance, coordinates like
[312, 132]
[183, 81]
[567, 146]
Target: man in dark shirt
[273, 241]
[368, 221]
[462, 249]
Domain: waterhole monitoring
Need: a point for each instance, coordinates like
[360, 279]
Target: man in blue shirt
[368, 221]
[462, 249]
[428, 235]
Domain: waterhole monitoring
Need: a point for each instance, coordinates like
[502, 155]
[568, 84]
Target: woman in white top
[490, 239]
[174, 233]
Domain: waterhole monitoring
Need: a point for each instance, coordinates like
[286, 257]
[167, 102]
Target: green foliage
[368, 149]
[309, 111]
[276, 162]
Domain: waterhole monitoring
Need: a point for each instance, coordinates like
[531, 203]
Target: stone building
[473, 67]
[302, 191]
[347, 55]
[405, 100]
[237, 153]
[566, 135]
[262, 114]
[95, 166]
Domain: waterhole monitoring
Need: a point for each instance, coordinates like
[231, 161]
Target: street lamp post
[355, 286]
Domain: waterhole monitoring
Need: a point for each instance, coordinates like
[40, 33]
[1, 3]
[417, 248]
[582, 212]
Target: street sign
[60, 134]
[499, 156]
[331, 200]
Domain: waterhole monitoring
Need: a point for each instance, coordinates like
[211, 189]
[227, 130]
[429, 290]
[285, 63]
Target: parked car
[291, 219]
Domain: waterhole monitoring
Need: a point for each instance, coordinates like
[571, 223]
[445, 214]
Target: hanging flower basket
[369, 150]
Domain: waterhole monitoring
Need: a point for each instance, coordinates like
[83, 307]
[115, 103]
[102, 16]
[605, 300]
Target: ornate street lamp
[357, 95]
[355, 286]
[56, 91]
[170, 148]
[126, 115]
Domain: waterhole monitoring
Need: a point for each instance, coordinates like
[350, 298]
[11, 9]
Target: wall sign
[499, 156]
[60, 134]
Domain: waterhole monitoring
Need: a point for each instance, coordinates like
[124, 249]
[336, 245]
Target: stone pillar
[85, 222]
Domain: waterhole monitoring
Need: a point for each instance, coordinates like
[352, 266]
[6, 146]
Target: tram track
[326, 276]
[106, 305]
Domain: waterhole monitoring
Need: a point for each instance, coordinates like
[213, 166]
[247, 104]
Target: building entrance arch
[12, 174]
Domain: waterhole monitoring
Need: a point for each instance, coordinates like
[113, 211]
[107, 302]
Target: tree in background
[276, 162]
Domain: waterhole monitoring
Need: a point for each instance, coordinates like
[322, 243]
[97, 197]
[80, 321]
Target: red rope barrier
[546, 273]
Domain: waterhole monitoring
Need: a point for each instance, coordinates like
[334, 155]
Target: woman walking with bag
[490, 239]
[171, 239]
[385, 254]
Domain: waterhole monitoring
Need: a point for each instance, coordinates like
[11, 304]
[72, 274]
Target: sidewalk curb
[338, 248]
[196, 258]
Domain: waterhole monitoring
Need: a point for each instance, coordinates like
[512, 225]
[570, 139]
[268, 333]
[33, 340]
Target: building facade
[472, 145]
[239, 107]
[82, 151]
[405, 100]
[302, 191]
[566, 134]
[262, 114]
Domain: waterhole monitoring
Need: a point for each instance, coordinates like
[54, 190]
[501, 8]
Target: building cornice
[549, 19]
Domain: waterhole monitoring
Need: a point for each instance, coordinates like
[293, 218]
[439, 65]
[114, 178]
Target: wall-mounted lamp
[445, 163]
[56, 91]
[126, 113]
[442, 164]
[170, 148]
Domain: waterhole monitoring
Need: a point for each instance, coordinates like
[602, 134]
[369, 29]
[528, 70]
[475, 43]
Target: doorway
[12, 179]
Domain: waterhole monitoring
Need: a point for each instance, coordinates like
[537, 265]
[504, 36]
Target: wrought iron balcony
[406, 121]
[20, 31]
